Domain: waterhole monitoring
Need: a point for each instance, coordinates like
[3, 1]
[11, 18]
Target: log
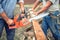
[39, 34]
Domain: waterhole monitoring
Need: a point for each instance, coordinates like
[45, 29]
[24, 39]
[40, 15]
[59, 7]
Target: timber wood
[39, 34]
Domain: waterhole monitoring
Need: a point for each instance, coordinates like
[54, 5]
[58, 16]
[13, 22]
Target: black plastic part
[12, 25]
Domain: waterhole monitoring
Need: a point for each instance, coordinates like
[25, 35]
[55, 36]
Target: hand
[10, 22]
[35, 13]
[30, 10]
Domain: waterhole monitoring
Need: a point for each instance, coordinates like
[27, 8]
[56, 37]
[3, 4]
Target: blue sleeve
[1, 9]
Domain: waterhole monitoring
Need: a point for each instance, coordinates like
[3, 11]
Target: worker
[6, 16]
[52, 20]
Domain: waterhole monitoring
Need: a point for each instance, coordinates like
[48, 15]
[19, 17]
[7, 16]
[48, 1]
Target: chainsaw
[19, 21]
[25, 20]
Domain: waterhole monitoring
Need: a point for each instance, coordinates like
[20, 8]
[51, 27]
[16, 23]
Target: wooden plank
[39, 34]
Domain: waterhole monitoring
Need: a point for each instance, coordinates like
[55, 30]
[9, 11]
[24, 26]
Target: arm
[36, 4]
[2, 13]
[4, 16]
[21, 4]
[48, 4]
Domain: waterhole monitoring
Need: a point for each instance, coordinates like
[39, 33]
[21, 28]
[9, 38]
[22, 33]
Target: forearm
[21, 6]
[48, 4]
[2, 13]
[4, 16]
[36, 4]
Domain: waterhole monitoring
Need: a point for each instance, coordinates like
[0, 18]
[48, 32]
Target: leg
[10, 33]
[57, 37]
[57, 33]
[1, 26]
[54, 27]
[45, 25]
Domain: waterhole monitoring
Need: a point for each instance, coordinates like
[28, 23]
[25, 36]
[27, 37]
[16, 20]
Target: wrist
[6, 19]
[32, 9]
[22, 12]
[22, 9]
[38, 12]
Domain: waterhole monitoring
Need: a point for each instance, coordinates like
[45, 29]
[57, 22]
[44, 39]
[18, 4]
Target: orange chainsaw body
[24, 22]
[20, 23]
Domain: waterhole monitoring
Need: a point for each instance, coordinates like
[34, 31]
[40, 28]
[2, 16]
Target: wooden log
[39, 34]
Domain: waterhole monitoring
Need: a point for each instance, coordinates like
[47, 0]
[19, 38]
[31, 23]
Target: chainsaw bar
[39, 16]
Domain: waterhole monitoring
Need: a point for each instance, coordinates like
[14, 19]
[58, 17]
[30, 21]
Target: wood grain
[39, 34]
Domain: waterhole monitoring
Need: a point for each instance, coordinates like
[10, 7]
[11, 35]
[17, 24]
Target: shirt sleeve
[21, 1]
[1, 9]
[53, 1]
